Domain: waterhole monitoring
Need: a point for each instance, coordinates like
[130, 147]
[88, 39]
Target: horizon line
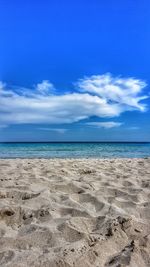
[39, 142]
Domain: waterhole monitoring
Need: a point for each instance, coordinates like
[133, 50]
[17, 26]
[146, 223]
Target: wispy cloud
[58, 130]
[133, 128]
[124, 91]
[103, 96]
[107, 125]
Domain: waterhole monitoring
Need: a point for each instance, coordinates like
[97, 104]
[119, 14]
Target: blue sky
[74, 70]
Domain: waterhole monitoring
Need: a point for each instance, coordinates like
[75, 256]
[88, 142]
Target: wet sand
[75, 212]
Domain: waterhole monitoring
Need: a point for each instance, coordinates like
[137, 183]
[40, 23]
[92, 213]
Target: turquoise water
[74, 150]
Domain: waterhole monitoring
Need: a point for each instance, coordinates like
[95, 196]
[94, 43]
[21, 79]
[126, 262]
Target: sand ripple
[75, 213]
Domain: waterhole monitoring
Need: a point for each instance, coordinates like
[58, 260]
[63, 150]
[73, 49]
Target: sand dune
[75, 213]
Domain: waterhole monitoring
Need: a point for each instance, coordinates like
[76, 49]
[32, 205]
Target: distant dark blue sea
[74, 150]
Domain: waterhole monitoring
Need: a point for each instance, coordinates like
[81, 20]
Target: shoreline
[75, 212]
[76, 158]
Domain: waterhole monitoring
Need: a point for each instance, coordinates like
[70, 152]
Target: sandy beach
[74, 212]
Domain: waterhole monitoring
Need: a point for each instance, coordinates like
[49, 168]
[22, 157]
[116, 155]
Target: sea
[75, 150]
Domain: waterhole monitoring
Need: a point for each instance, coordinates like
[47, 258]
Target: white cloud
[45, 87]
[125, 91]
[102, 96]
[2, 85]
[107, 125]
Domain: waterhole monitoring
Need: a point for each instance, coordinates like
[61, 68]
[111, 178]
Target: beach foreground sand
[74, 213]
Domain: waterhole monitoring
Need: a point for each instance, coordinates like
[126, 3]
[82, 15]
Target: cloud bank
[103, 96]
